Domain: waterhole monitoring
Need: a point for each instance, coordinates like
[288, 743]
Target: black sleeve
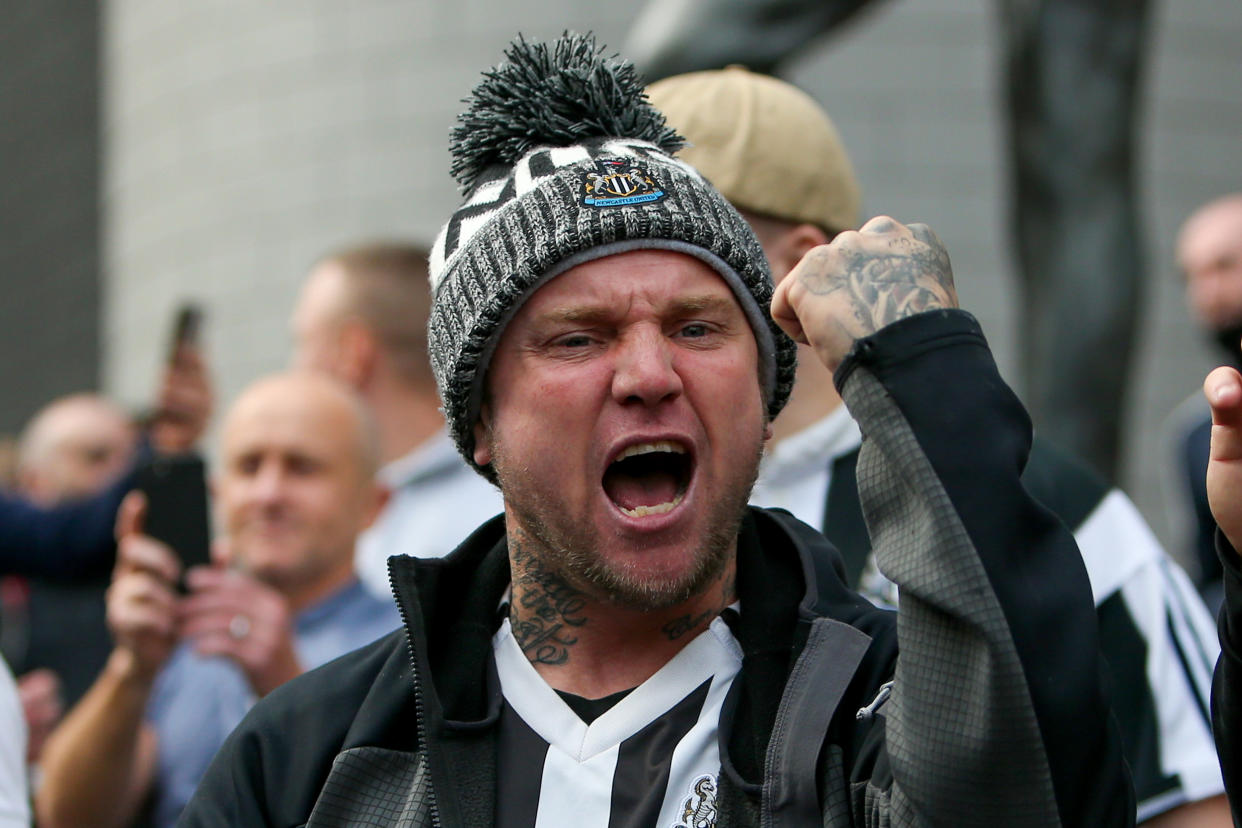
[61, 543]
[998, 698]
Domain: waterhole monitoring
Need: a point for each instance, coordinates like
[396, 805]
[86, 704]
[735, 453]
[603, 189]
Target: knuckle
[844, 239]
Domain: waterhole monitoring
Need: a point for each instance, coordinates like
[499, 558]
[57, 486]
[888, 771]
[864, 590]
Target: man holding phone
[74, 540]
[295, 487]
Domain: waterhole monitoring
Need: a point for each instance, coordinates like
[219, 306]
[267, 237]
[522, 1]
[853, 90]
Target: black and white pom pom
[554, 94]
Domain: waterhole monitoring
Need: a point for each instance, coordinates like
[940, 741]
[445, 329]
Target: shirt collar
[431, 457]
[813, 447]
[329, 606]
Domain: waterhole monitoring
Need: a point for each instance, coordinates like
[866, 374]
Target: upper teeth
[648, 448]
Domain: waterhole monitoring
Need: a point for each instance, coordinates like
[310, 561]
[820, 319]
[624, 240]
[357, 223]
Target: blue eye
[695, 330]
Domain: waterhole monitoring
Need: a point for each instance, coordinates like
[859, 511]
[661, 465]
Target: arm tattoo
[544, 611]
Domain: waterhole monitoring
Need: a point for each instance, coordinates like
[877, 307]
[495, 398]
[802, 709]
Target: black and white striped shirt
[651, 760]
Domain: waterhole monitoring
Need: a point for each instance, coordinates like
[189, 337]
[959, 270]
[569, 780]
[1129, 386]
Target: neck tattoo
[545, 610]
[683, 624]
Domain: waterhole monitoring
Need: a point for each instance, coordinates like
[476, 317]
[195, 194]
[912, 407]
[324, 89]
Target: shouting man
[631, 645]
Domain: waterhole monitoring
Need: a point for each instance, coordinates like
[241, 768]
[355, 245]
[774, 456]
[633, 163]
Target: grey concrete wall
[49, 205]
[243, 139]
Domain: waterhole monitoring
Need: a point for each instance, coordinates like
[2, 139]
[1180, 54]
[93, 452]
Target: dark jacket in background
[66, 542]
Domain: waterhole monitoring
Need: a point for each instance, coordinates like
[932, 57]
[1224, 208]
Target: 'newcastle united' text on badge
[618, 182]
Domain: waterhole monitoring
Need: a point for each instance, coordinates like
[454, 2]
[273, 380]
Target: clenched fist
[861, 281]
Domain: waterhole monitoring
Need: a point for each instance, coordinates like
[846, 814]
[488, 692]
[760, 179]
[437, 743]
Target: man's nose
[645, 369]
[1208, 298]
[267, 483]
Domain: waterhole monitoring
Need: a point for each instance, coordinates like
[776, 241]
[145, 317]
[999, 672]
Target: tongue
[631, 491]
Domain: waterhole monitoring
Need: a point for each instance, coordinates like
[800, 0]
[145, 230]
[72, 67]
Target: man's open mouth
[649, 478]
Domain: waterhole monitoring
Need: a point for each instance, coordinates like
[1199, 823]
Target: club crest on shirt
[617, 182]
[699, 809]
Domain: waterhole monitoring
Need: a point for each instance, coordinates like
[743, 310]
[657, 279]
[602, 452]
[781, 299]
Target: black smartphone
[177, 507]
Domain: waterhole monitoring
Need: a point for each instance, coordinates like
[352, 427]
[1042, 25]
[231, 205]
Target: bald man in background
[74, 447]
[362, 319]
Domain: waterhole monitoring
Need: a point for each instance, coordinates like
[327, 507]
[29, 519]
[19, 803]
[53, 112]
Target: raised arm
[70, 541]
[99, 764]
[997, 715]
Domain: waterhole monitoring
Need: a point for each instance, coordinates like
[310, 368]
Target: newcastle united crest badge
[618, 182]
[699, 809]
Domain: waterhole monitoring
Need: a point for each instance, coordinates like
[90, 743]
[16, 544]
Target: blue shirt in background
[197, 700]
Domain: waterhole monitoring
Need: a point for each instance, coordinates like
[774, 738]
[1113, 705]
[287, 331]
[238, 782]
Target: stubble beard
[569, 550]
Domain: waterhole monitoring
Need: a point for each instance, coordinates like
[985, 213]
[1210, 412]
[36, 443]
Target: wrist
[126, 668]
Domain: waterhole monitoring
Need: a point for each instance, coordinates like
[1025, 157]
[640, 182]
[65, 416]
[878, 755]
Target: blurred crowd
[133, 659]
[132, 668]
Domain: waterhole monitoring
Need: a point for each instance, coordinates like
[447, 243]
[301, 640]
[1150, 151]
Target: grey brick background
[241, 140]
[49, 204]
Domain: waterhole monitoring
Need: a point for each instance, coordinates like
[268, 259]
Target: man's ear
[358, 354]
[377, 498]
[483, 436]
[30, 483]
[791, 246]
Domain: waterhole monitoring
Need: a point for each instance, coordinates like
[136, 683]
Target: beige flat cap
[765, 144]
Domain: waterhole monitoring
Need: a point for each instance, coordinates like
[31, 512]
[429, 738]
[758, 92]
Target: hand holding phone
[142, 606]
[232, 614]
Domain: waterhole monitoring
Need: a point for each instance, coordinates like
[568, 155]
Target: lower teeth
[658, 509]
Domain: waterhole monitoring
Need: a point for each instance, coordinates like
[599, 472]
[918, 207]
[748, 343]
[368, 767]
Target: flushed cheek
[553, 427]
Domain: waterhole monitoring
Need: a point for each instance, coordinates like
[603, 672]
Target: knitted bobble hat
[562, 160]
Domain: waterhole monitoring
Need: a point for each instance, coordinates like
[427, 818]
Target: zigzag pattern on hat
[493, 192]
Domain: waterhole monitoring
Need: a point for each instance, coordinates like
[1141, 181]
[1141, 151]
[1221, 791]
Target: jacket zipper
[869, 712]
[419, 710]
